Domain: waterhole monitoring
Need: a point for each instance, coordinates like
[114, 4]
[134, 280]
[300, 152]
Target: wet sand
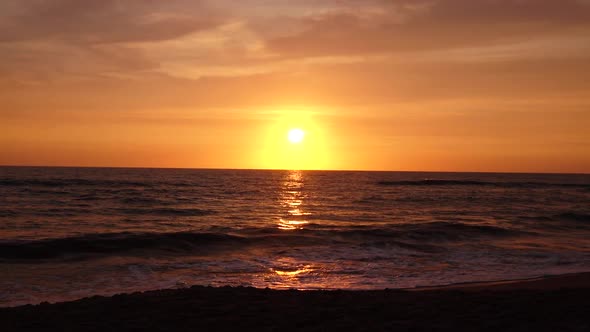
[560, 303]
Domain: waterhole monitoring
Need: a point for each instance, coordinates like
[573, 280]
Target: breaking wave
[420, 237]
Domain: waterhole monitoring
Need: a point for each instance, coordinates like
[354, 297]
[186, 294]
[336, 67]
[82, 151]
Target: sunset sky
[447, 85]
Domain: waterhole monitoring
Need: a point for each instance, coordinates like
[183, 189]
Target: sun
[294, 140]
[296, 135]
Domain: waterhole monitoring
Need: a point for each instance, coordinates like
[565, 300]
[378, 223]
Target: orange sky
[447, 85]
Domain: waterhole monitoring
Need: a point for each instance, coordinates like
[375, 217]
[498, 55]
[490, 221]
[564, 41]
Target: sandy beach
[556, 303]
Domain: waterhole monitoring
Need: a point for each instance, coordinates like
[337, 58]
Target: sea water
[68, 233]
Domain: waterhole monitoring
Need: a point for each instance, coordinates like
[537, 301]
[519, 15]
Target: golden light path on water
[306, 268]
[291, 201]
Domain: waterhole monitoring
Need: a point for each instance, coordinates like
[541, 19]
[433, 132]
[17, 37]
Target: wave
[66, 182]
[112, 243]
[8, 213]
[141, 200]
[563, 222]
[106, 183]
[434, 232]
[178, 212]
[428, 237]
[87, 209]
[572, 216]
[482, 183]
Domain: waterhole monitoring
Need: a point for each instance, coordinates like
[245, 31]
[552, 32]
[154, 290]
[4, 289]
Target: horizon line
[281, 169]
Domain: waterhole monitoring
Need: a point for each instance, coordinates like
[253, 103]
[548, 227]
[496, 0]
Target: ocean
[68, 233]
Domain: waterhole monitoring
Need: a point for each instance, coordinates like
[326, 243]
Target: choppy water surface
[67, 233]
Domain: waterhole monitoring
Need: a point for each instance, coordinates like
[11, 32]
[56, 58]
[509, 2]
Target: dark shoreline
[556, 303]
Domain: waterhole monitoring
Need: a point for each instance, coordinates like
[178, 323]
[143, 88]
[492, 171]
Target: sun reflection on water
[287, 271]
[291, 224]
[304, 269]
[291, 200]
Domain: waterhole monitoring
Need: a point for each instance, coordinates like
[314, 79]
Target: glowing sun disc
[296, 135]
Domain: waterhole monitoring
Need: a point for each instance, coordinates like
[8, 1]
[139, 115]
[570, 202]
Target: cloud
[183, 53]
[68, 39]
[43, 40]
[343, 87]
[401, 26]
[106, 21]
